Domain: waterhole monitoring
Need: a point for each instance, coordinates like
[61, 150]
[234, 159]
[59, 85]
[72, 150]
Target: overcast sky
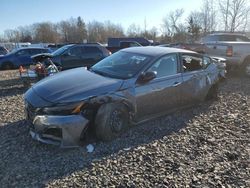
[14, 13]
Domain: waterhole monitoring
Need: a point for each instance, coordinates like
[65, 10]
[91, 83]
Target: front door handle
[176, 84]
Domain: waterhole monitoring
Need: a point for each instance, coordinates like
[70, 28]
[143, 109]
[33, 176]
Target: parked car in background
[128, 87]
[20, 57]
[196, 47]
[234, 47]
[115, 42]
[122, 45]
[78, 55]
[229, 37]
[3, 50]
[54, 47]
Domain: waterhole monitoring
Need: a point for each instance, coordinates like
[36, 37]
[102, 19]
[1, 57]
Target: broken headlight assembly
[65, 109]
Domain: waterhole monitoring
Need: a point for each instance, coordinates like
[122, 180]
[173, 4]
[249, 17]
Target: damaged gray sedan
[130, 86]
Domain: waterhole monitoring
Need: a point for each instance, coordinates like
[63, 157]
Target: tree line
[224, 15]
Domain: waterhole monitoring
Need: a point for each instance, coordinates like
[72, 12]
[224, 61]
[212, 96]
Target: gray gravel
[204, 146]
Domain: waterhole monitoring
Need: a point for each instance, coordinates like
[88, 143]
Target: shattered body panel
[67, 103]
[69, 127]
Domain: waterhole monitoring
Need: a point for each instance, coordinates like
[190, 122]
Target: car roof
[231, 34]
[155, 50]
[26, 48]
[87, 44]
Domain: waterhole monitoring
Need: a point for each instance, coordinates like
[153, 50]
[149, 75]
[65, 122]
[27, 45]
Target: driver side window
[165, 66]
[22, 53]
[76, 51]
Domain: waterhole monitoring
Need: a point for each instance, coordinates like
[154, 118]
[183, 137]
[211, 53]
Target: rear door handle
[176, 84]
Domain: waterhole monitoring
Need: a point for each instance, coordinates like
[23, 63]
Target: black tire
[213, 92]
[7, 66]
[111, 120]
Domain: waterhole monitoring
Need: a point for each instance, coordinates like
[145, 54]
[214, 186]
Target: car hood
[75, 85]
[4, 56]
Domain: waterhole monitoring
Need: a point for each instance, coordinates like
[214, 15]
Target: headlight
[65, 109]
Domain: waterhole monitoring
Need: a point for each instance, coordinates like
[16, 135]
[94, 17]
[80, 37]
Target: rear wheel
[213, 92]
[246, 68]
[7, 66]
[111, 120]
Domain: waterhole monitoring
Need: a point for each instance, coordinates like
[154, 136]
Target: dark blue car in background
[21, 56]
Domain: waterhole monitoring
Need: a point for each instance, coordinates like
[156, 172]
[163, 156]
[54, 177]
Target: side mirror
[147, 76]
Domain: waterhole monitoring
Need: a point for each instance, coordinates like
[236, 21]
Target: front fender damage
[66, 130]
[59, 130]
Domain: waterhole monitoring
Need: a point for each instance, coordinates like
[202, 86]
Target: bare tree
[25, 33]
[113, 30]
[64, 28]
[134, 30]
[194, 26]
[81, 30]
[234, 14]
[95, 32]
[153, 33]
[173, 27]
[45, 32]
[172, 21]
[99, 32]
[208, 15]
[73, 30]
[12, 35]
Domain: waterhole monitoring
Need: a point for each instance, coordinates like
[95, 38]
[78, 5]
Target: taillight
[229, 51]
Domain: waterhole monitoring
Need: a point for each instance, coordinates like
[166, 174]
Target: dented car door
[195, 84]
[161, 94]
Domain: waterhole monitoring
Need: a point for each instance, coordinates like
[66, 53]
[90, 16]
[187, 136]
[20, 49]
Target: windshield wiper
[99, 72]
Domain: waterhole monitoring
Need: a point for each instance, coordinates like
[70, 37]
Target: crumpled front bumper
[70, 128]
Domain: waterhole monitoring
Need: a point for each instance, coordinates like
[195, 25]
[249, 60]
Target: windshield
[14, 51]
[122, 65]
[61, 50]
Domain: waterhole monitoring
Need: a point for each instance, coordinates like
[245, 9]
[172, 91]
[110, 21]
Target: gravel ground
[204, 146]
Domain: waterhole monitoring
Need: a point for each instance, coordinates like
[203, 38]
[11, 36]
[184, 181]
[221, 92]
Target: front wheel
[111, 120]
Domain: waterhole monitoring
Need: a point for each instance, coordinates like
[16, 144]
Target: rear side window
[76, 51]
[45, 50]
[92, 50]
[22, 53]
[191, 63]
[35, 51]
